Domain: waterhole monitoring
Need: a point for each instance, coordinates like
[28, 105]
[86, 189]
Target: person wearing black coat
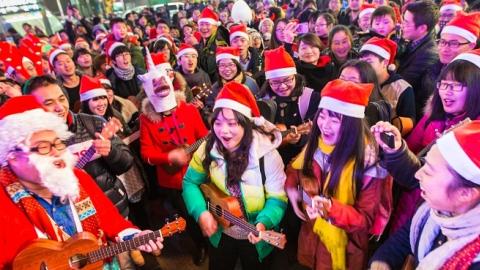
[421, 51]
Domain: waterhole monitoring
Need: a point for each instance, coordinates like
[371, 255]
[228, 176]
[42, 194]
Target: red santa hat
[111, 45]
[239, 98]
[90, 88]
[455, 5]
[22, 116]
[227, 53]
[186, 49]
[345, 97]
[278, 63]
[160, 61]
[366, 9]
[466, 25]
[100, 36]
[80, 40]
[471, 56]
[31, 48]
[383, 47]
[13, 60]
[460, 149]
[239, 30]
[53, 55]
[209, 16]
[65, 45]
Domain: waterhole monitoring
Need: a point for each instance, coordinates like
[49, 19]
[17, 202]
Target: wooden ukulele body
[220, 203]
[53, 255]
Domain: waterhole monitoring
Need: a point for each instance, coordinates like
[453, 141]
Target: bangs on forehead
[455, 71]
[331, 113]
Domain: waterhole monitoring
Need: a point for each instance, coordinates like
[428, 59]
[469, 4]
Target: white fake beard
[61, 182]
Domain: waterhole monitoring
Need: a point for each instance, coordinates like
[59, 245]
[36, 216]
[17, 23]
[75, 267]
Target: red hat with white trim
[22, 116]
[345, 97]
[227, 53]
[186, 49]
[112, 45]
[471, 56]
[279, 63]
[239, 98]
[366, 9]
[455, 5]
[239, 30]
[160, 61]
[90, 88]
[54, 54]
[65, 45]
[458, 149]
[209, 16]
[383, 47]
[466, 25]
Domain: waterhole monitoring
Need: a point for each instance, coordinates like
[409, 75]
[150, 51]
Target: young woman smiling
[339, 186]
[231, 159]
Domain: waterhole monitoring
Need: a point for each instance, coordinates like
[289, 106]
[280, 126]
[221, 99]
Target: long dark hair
[274, 42]
[469, 75]
[108, 112]
[353, 138]
[237, 161]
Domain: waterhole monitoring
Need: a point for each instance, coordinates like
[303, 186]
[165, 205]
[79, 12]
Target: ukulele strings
[238, 221]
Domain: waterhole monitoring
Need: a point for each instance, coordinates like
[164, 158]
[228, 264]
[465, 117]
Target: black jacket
[207, 52]
[316, 77]
[256, 62]
[105, 169]
[413, 67]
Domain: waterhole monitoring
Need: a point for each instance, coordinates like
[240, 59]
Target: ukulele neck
[233, 219]
[112, 250]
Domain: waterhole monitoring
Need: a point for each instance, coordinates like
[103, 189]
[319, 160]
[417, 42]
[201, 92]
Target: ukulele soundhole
[78, 261]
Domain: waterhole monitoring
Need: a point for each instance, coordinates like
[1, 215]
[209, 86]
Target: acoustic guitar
[300, 129]
[200, 93]
[226, 210]
[82, 250]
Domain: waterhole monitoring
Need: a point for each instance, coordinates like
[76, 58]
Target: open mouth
[448, 102]
[60, 164]
[162, 91]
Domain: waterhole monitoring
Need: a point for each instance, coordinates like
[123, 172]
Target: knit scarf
[461, 231]
[334, 238]
[39, 217]
[125, 74]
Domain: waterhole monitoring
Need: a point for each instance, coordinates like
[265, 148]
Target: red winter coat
[357, 220]
[16, 231]
[156, 140]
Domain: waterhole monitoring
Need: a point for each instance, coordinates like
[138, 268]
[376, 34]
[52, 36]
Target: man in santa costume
[166, 126]
[42, 195]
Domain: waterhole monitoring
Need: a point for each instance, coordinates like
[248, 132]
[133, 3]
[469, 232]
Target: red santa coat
[17, 232]
[158, 137]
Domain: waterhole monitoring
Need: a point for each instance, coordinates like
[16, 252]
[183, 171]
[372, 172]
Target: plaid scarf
[39, 217]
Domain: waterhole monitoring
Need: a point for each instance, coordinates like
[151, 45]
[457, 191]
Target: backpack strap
[304, 101]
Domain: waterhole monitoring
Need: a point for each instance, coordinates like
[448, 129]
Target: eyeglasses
[277, 84]
[455, 87]
[450, 43]
[229, 66]
[45, 147]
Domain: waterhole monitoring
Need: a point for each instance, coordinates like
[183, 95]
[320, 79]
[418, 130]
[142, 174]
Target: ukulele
[200, 93]
[82, 250]
[301, 129]
[172, 168]
[226, 210]
[108, 130]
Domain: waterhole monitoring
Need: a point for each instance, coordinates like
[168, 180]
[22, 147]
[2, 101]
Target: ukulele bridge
[78, 261]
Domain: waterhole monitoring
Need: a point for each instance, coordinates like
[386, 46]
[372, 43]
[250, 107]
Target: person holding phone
[336, 190]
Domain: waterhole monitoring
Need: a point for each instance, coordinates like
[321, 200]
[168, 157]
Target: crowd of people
[353, 128]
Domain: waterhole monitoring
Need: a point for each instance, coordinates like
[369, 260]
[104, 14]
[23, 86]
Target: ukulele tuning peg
[175, 216]
[167, 220]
